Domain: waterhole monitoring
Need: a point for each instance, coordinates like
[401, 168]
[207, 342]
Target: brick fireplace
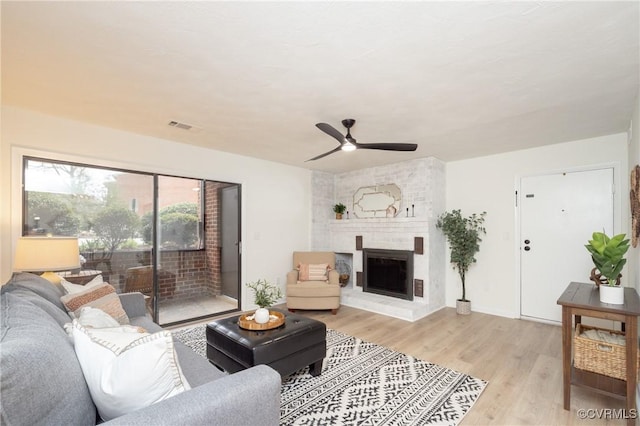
[423, 198]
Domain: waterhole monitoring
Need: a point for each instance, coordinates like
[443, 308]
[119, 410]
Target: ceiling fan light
[348, 146]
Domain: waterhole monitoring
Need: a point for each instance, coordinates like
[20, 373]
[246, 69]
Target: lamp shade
[43, 254]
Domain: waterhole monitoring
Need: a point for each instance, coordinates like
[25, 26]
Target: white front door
[558, 214]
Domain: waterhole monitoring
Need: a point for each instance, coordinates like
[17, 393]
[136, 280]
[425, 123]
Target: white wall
[489, 184]
[276, 198]
[634, 159]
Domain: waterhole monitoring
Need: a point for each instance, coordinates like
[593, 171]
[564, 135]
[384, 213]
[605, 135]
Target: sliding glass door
[174, 239]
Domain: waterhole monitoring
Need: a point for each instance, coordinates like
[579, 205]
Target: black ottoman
[299, 342]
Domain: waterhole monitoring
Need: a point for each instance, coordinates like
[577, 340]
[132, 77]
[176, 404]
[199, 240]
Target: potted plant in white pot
[463, 235]
[607, 254]
[339, 210]
[266, 294]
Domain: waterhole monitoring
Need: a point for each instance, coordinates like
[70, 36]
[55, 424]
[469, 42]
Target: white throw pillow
[76, 288]
[125, 370]
[96, 318]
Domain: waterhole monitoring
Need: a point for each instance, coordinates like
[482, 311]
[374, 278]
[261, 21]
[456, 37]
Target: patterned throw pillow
[313, 271]
[103, 296]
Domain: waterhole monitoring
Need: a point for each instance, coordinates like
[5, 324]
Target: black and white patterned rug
[366, 384]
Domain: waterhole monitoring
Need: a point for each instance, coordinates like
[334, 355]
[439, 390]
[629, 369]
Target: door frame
[618, 189]
[238, 188]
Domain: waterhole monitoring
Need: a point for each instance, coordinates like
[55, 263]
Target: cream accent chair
[313, 295]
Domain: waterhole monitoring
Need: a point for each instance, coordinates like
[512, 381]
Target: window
[110, 209]
[143, 232]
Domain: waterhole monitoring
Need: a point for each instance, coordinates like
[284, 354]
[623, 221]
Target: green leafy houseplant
[339, 208]
[463, 235]
[266, 294]
[608, 255]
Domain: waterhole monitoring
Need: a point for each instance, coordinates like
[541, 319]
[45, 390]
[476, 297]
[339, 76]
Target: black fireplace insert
[388, 272]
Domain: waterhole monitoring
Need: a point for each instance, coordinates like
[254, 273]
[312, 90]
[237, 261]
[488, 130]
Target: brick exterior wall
[184, 274]
[212, 235]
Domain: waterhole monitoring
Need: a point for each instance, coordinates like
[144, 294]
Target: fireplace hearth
[388, 272]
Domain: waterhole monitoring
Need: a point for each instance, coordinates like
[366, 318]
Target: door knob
[527, 241]
[527, 248]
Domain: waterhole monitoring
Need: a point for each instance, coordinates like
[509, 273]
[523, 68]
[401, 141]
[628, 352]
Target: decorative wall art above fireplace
[377, 201]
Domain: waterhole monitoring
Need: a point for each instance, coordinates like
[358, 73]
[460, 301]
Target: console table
[579, 300]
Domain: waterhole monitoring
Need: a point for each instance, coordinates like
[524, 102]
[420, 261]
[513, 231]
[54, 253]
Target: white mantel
[390, 234]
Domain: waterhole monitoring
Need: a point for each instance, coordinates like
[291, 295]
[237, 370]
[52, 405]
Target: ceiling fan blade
[325, 154]
[331, 131]
[388, 146]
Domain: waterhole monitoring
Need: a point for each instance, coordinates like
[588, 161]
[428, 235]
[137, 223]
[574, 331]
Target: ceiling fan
[348, 143]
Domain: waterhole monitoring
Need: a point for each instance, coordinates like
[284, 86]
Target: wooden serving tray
[250, 324]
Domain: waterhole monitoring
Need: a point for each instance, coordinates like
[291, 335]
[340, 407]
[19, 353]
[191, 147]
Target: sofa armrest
[133, 304]
[334, 277]
[248, 397]
[292, 277]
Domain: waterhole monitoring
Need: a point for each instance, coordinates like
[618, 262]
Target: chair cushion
[33, 391]
[313, 289]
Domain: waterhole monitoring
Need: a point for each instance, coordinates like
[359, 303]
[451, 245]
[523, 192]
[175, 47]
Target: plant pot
[261, 316]
[463, 307]
[338, 216]
[612, 294]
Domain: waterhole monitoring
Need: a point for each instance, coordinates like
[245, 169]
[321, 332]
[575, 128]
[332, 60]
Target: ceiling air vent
[180, 125]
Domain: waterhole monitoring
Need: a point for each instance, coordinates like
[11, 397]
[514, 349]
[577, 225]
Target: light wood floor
[520, 359]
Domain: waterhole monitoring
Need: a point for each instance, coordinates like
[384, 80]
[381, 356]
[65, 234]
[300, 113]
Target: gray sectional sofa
[41, 381]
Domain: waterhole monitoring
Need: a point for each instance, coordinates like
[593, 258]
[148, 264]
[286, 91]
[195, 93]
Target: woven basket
[599, 357]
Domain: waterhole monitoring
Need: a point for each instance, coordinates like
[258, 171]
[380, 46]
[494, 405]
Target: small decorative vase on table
[261, 316]
[266, 295]
[608, 257]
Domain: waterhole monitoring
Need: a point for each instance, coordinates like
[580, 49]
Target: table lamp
[47, 254]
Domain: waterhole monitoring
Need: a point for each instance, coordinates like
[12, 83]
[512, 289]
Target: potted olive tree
[339, 210]
[266, 294]
[463, 235]
[607, 254]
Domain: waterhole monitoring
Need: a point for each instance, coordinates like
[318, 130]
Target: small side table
[579, 300]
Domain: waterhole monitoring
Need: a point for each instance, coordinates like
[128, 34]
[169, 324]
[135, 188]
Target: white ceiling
[460, 79]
